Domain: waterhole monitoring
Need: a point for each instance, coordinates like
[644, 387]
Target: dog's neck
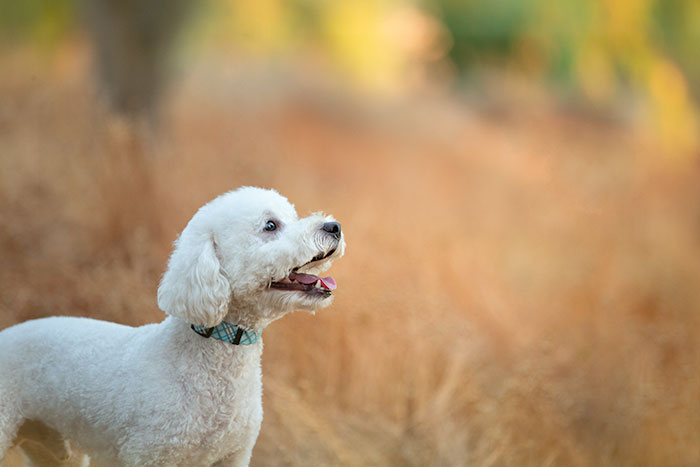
[227, 332]
[179, 332]
[253, 316]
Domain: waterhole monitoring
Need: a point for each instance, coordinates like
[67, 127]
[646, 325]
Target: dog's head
[248, 255]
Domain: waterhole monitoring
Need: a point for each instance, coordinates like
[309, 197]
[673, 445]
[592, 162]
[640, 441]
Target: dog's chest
[216, 410]
[229, 408]
[229, 424]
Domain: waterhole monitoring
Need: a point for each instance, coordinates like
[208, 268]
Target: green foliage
[599, 50]
[483, 30]
[558, 38]
[43, 22]
[677, 26]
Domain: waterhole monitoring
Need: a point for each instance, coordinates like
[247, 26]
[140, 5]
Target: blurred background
[518, 181]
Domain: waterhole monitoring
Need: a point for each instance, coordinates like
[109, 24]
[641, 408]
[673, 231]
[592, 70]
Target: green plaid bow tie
[228, 332]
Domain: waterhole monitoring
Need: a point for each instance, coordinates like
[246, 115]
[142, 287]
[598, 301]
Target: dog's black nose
[332, 228]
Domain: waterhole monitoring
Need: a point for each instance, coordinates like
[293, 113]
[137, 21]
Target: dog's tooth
[317, 284]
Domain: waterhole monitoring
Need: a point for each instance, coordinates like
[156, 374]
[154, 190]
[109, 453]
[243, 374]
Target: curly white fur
[161, 394]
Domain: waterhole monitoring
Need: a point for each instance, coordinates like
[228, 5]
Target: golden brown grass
[520, 288]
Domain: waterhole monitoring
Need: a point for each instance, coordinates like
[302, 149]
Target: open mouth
[307, 283]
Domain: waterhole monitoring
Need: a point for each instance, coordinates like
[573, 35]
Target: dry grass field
[521, 285]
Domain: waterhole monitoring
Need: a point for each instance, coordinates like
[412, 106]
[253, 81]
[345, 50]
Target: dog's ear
[194, 287]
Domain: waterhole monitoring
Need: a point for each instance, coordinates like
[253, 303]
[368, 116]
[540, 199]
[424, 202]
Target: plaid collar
[228, 332]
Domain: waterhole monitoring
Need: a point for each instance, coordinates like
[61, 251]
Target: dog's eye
[270, 226]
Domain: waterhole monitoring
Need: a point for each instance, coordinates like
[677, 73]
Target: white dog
[186, 391]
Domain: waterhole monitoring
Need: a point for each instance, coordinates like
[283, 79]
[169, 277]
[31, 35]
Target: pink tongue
[327, 282]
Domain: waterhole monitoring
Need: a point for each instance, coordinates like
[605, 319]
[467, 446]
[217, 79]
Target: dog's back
[34, 356]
